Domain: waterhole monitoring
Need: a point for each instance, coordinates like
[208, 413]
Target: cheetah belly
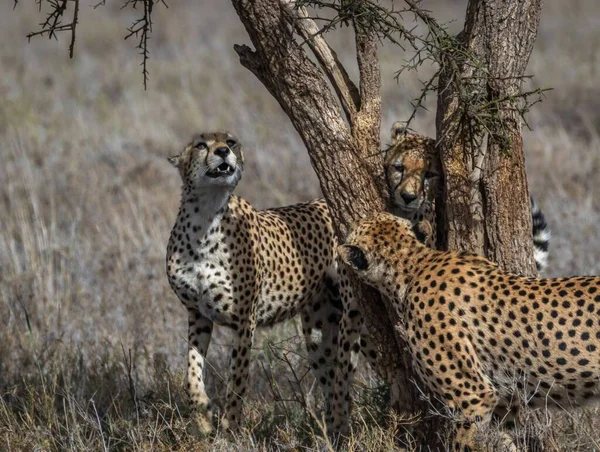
[283, 299]
[546, 393]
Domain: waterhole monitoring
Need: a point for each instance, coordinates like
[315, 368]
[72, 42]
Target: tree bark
[349, 168]
[485, 206]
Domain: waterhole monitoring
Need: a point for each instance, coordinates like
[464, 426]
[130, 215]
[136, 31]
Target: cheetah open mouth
[224, 169]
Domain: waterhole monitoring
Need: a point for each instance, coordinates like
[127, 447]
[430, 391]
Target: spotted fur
[480, 337]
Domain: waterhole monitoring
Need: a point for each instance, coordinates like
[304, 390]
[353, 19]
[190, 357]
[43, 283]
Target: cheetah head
[411, 169]
[376, 243]
[210, 159]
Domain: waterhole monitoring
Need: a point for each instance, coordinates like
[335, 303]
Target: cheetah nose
[222, 152]
[408, 197]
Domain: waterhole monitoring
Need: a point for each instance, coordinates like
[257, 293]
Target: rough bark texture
[485, 207]
[486, 199]
[349, 169]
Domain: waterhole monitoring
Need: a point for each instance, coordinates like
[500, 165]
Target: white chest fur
[199, 261]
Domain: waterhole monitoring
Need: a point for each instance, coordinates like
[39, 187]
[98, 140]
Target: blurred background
[88, 323]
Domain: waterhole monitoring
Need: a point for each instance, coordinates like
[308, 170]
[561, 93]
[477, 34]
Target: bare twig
[54, 24]
[74, 27]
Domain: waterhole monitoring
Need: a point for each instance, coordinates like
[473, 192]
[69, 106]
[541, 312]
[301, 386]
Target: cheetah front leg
[199, 332]
[238, 373]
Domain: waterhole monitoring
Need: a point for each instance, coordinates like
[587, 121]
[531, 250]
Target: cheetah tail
[541, 236]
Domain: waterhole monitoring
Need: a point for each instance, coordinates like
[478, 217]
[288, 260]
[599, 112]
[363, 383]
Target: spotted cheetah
[480, 336]
[232, 265]
[413, 172]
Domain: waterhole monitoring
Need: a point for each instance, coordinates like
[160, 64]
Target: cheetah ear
[423, 231]
[398, 129]
[354, 256]
[175, 160]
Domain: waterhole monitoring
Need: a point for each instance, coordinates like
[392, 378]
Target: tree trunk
[485, 207]
[485, 204]
[349, 169]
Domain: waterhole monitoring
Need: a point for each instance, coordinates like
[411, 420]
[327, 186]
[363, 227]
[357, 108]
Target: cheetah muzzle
[223, 170]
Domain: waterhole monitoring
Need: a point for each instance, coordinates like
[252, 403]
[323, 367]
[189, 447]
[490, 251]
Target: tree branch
[368, 122]
[283, 66]
[334, 70]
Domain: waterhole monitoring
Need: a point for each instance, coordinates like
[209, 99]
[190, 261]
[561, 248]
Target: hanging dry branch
[54, 21]
[54, 24]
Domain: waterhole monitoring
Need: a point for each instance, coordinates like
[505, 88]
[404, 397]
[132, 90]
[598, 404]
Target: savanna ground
[92, 340]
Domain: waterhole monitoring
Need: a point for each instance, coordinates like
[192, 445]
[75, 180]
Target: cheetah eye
[357, 258]
[398, 167]
[231, 143]
[201, 146]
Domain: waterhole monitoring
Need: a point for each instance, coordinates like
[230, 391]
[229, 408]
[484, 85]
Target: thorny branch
[477, 112]
[141, 29]
[54, 23]
[477, 108]
[367, 16]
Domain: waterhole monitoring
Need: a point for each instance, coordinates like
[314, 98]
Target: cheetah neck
[399, 276]
[200, 210]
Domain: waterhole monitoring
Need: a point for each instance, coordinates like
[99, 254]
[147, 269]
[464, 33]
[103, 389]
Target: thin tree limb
[345, 89]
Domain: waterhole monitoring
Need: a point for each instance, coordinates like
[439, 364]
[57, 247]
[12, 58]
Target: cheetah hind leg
[320, 324]
[350, 327]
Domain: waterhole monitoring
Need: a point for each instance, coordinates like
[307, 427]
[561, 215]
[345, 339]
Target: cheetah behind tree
[413, 172]
[478, 335]
[232, 265]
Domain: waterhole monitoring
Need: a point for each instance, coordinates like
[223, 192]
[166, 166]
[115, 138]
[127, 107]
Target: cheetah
[479, 336]
[413, 171]
[235, 266]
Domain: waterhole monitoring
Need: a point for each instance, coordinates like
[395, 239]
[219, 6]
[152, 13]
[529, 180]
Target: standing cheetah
[479, 336]
[235, 266]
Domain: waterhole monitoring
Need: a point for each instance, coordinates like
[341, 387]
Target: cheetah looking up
[235, 266]
[413, 172]
[479, 335]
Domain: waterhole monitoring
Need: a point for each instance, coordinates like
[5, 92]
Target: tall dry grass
[92, 340]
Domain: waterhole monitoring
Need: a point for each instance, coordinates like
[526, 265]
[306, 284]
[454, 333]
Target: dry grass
[92, 339]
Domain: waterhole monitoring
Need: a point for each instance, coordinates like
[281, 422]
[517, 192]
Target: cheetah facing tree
[478, 335]
[235, 266]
